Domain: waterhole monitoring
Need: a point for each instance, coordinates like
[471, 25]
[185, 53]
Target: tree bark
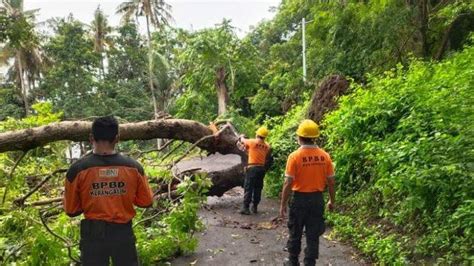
[225, 171]
[179, 129]
[443, 46]
[423, 17]
[222, 92]
[325, 97]
[150, 68]
[24, 91]
[102, 64]
[150, 76]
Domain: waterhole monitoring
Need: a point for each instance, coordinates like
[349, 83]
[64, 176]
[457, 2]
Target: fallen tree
[178, 129]
[325, 98]
[225, 171]
[224, 165]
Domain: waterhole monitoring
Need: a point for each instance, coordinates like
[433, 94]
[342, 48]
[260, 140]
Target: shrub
[409, 137]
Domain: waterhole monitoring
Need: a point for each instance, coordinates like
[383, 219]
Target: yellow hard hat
[308, 129]
[262, 132]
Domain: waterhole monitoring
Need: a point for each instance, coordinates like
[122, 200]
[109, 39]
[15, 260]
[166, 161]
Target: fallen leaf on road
[193, 263]
[253, 261]
[254, 241]
[246, 226]
[267, 225]
[215, 251]
[236, 236]
[278, 220]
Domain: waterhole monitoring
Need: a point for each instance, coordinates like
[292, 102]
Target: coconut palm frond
[7, 8]
[128, 9]
[6, 53]
[157, 11]
[163, 17]
[100, 30]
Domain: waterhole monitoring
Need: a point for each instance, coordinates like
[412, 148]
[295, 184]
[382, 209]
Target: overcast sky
[188, 14]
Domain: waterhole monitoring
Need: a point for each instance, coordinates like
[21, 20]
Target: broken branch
[46, 202]
[21, 201]
[10, 176]
[67, 242]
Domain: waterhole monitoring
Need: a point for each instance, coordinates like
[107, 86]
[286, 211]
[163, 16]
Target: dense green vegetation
[402, 145]
[402, 139]
[408, 135]
[166, 231]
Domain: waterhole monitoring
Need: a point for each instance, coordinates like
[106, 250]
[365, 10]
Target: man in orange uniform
[309, 169]
[105, 186]
[259, 158]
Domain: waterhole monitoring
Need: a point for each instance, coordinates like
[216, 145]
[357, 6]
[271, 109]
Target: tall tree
[442, 25]
[167, 42]
[126, 83]
[157, 14]
[24, 48]
[209, 57]
[71, 83]
[102, 40]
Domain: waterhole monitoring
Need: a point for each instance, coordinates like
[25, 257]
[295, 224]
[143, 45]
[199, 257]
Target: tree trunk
[24, 91]
[225, 171]
[444, 44]
[325, 97]
[423, 17]
[150, 68]
[179, 129]
[150, 76]
[102, 65]
[222, 92]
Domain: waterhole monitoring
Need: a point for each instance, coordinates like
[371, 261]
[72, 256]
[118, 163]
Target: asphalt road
[234, 239]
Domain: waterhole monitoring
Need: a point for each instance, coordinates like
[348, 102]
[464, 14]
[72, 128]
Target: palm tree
[29, 59]
[101, 30]
[157, 14]
[164, 81]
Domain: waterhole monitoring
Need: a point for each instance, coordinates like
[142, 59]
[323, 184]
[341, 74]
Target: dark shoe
[245, 211]
[291, 261]
[254, 209]
[309, 262]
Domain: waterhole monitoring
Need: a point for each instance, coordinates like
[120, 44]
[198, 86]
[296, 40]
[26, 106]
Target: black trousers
[102, 241]
[306, 212]
[253, 185]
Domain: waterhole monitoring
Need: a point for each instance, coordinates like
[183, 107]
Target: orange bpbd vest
[309, 166]
[257, 150]
[106, 188]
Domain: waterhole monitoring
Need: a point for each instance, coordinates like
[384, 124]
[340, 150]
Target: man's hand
[285, 193]
[332, 193]
[331, 206]
[240, 143]
[282, 211]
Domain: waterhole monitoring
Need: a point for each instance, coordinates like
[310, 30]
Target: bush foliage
[25, 241]
[406, 142]
[402, 142]
[403, 150]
